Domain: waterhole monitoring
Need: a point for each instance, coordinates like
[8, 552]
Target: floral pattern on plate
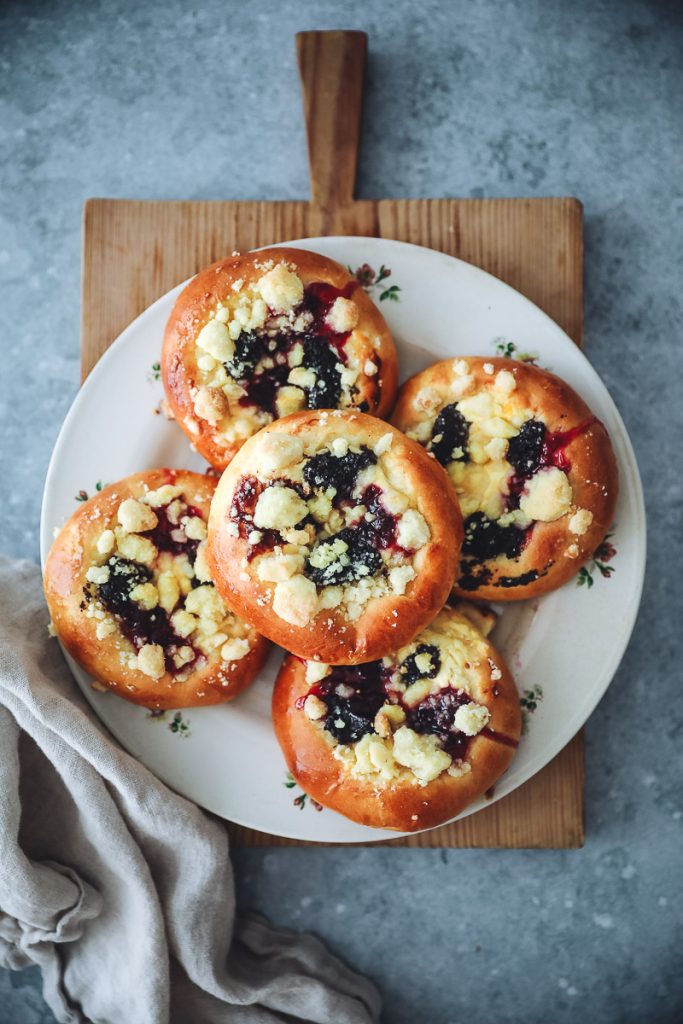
[603, 554]
[302, 798]
[370, 280]
[178, 725]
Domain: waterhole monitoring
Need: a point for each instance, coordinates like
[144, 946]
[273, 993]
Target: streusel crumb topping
[411, 715]
[148, 586]
[329, 527]
[275, 346]
[508, 469]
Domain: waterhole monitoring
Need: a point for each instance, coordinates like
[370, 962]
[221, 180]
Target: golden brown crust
[369, 340]
[554, 552]
[74, 552]
[399, 804]
[386, 622]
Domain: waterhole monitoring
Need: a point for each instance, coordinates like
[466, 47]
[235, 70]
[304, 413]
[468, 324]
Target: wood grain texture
[331, 68]
[134, 251]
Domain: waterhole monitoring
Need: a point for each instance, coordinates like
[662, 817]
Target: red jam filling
[168, 536]
[353, 694]
[535, 448]
[365, 539]
[324, 349]
[532, 449]
[148, 626]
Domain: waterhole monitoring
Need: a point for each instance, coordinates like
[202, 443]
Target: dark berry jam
[361, 558]
[534, 448]
[323, 360]
[319, 297]
[249, 349]
[435, 715]
[242, 510]
[351, 713]
[124, 576]
[267, 541]
[261, 389]
[168, 536]
[499, 737]
[383, 526]
[152, 627]
[525, 449]
[410, 673]
[324, 350]
[554, 445]
[452, 431]
[364, 540]
[355, 693]
[485, 539]
[506, 582]
[141, 626]
[244, 502]
[473, 576]
[262, 384]
[341, 472]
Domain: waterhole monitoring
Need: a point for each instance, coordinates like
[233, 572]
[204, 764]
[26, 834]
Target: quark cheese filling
[328, 527]
[508, 470]
[277, 346]
[149, 588]
[411, 715]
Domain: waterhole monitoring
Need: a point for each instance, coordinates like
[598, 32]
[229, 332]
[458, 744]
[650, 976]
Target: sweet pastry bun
[406, 742]
[335, 536]
[533, 468]
[268, 333]
[128, 586]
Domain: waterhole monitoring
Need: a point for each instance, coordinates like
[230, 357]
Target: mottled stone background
[169, 98]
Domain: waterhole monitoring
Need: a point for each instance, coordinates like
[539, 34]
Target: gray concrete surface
[527, 97]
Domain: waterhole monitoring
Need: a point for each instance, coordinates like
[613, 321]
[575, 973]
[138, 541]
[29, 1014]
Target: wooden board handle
[331, 66]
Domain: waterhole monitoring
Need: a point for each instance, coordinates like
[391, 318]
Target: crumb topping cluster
[149, 588]
[329, 527]
[508, 470]
[411, 715]
[275, 346]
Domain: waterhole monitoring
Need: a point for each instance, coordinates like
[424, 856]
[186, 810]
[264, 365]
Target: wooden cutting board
[135, 251]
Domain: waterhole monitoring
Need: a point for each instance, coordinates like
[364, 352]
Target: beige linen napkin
[119, 889]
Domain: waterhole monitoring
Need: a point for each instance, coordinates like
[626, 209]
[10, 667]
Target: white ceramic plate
[563, 649]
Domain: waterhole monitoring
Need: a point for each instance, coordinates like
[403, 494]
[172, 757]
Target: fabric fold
[121, 890]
